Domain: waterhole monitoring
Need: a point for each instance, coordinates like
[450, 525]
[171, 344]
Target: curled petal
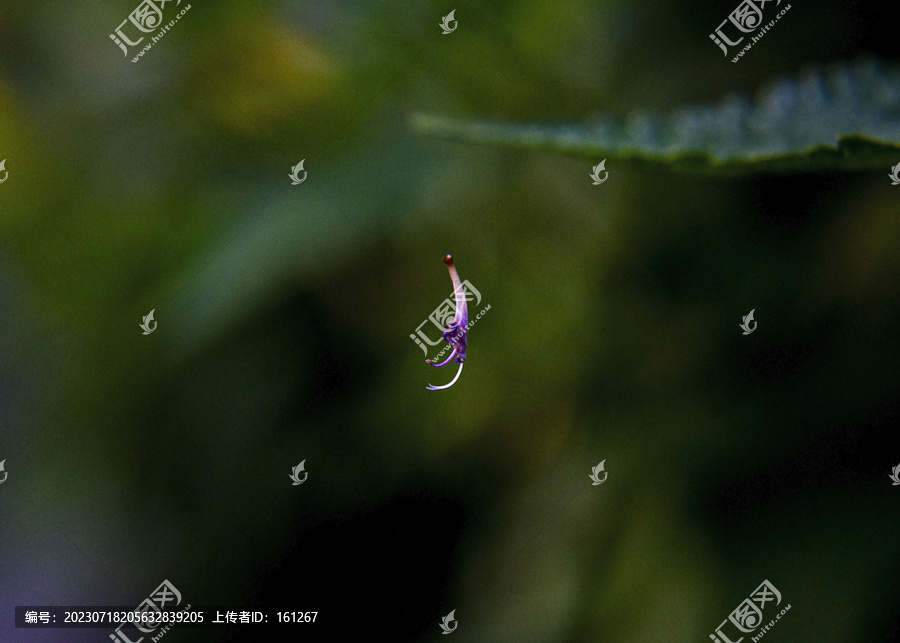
[438, 388]
[444, 363]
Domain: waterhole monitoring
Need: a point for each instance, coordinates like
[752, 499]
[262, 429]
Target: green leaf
[847, 118]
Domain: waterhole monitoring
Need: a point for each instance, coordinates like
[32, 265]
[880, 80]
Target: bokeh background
[285, 312]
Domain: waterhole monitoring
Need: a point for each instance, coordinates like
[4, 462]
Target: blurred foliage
[790, 128]
[285, 313]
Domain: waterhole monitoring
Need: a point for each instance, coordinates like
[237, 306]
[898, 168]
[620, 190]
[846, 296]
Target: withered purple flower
[456, 332]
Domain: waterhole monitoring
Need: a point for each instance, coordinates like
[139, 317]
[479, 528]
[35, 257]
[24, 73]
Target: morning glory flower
[455, 335]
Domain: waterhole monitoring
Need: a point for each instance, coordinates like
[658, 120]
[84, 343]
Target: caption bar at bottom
[58, 616]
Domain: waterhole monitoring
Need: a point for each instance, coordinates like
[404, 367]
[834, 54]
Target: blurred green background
[285, 313]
